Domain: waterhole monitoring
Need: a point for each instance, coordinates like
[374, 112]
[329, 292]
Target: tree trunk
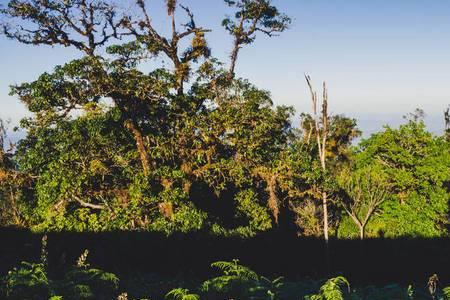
[360, 224]
[324, 194]
[180, 75]
[325, 233]
[273, 199]
[234, 56]
[131, 125]
[139, 139]
[325, 216]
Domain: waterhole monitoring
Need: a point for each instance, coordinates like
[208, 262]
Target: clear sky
[380, 58]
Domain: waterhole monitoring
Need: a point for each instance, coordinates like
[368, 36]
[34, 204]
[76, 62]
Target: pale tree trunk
[321, 126]
[361, 231]
[321, 141]
[324, 193]
[325, 216]
[360, 224]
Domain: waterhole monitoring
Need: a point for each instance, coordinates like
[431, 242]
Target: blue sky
[380, 58]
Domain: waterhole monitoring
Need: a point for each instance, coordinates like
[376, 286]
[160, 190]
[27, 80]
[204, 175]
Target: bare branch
[88, 205]
[85, 25]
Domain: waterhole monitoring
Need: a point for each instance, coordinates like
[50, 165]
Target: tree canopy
[191, 146]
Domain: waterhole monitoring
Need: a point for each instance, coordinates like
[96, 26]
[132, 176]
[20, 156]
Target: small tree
[105, 134]
[364, 190]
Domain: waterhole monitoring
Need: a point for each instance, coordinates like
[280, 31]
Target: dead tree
[321, 123]
[447, 122]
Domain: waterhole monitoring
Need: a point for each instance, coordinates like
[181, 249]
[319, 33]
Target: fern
[267, 289]
[235, 282]
[410, 292]
[331, 290]
[446, 293]
[29, 281]
[181, 294]
[90, 284]
[233, 268]
[82, 282]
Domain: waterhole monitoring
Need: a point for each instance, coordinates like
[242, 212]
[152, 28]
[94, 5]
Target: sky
[381, 59]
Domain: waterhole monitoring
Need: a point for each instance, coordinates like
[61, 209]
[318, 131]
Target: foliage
[251, 17]
[333, 289]
[91, 283]
[187, 146]
[181, 294]
[446, 292]
[363, 192]
[266, 289]
[305, 175]
[235, 281]
[417, 164]
[13, 183]
[82, 282]
[29, 281]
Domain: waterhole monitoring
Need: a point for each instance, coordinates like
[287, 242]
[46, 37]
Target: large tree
[111, 146]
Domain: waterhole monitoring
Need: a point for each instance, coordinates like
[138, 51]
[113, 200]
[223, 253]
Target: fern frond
[446, 293]
[332, 289]
[233, 268]
[181, 294]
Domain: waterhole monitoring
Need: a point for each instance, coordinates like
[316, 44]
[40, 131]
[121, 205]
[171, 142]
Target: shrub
[28, 282]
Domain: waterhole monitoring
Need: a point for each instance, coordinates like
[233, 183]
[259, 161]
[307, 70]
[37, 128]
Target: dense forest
[189, 147]
[192, 147]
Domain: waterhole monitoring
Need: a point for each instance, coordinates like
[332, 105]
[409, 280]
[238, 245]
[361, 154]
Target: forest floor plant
[31, 281]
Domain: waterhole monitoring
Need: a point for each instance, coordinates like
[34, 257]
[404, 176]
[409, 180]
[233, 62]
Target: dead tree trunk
[321, 121]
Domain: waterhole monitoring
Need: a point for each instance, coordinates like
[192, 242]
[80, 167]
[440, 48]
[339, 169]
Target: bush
[28, 282]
